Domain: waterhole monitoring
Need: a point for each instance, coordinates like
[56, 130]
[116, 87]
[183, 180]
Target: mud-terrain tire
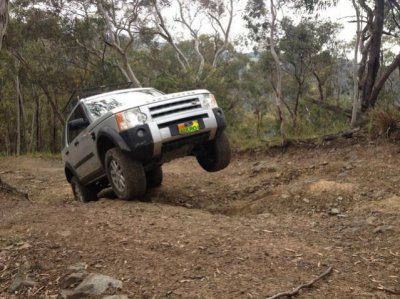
[154, 177]
[126, 176]
[81, 192]
[216, 154]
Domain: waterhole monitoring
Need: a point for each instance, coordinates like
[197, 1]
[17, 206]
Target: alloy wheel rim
[117, 176]
[78, 193]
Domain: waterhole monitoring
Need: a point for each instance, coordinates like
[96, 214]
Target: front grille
[182, 120]
[174, 107]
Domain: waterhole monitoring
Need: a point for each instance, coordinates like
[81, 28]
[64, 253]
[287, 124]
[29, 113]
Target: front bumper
[155, 138]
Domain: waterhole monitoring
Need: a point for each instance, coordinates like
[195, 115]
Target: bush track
[267, 223]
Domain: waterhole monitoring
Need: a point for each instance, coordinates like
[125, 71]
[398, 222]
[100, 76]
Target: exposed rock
[263, 166]
[378, 194]
[73, 279]
[93, 284]
[21, 283]
[334, 211]
[383, 228]
[371, 220]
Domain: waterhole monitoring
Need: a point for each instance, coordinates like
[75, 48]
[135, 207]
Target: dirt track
[268, 223]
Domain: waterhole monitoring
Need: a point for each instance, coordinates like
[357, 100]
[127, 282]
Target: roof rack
[84, 93]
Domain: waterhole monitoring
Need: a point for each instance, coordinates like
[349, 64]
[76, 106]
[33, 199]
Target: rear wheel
[81, 192]
[126, 176]
[154, 177]
[216, 154]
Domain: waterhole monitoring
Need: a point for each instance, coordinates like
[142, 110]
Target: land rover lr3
[122, 138]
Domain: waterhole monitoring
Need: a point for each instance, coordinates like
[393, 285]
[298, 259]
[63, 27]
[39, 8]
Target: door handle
[67, 153]
[93, 135]
[76, 143]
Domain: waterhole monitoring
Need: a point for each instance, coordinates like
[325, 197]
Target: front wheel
[216, 154]
[81, 192]
[126, 176]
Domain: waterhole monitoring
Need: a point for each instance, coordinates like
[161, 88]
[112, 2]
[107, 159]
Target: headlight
[130, 118]
[209, 101]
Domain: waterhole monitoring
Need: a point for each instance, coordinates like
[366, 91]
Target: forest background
[287, 76]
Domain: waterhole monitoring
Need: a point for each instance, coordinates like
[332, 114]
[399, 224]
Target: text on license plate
[189, 127]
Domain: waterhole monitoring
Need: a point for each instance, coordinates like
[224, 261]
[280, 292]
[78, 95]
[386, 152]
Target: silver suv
[122, 138]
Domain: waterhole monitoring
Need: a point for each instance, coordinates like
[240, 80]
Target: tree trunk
[278, 90]
[52, 103]
[381, 82]
[38, 124]
[7, 142]
[30, 148]
[374, 49]
[300, 83]
[24, 130]
[320, 87]
[355, 68]
[53, 133]
[3, 19]
[18, 110]
[129, 72]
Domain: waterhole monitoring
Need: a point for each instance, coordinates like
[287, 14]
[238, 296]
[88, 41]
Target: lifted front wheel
[216, 154]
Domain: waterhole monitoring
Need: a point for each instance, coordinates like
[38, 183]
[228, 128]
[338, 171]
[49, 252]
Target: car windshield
[100, 106]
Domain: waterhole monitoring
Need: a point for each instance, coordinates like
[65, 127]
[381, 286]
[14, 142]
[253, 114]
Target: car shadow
[108, 193]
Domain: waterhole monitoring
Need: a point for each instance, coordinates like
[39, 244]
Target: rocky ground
[268, 223]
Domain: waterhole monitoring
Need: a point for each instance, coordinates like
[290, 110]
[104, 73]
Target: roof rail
[84, 93]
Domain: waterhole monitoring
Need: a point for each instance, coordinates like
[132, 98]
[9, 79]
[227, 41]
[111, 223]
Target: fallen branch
[294, 292]
[10, 189]
[388, 290]
[333, 108]
[346, 134]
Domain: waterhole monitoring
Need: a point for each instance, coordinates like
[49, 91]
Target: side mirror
[77, 124]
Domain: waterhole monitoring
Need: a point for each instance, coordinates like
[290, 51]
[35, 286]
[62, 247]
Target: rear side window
[77, 114]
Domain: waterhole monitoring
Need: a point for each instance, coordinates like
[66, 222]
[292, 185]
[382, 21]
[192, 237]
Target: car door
[92, 167]
[78, 154]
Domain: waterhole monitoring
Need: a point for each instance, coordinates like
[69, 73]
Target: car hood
[147, 101]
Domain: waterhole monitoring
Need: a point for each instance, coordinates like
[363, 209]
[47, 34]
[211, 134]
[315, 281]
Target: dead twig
[388, 290]
[295, 291]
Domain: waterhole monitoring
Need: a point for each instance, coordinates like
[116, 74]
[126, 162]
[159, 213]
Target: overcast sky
[341, 14]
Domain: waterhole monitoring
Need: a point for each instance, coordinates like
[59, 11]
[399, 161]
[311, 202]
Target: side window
[77, 114]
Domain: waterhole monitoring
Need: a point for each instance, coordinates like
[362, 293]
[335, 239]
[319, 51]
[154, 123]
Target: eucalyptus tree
[261, 18]
[49, 69]
[306, 52]
[382, 18]
[200, 21]
[375, 19]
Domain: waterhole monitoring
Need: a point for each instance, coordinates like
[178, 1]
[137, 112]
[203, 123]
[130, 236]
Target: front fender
[112, 135]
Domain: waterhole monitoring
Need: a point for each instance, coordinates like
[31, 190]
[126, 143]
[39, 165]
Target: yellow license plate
[190, 127]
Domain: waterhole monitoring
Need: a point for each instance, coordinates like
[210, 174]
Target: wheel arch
[107, 139]
[69, 172]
